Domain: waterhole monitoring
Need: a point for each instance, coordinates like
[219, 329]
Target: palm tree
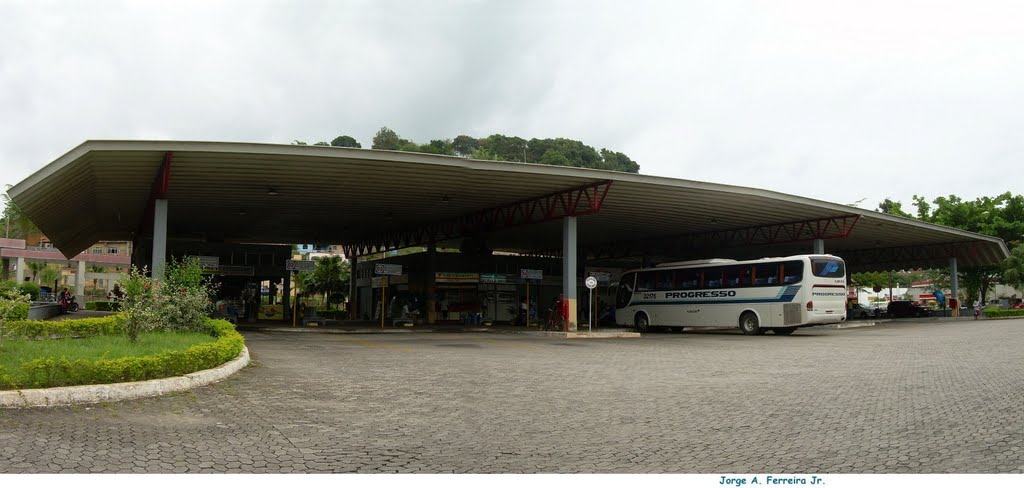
[35, 268]
[95, 281]
[48, 275]
[329, 278]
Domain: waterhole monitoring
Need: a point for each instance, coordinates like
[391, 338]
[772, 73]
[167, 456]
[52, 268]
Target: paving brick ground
[927, 397]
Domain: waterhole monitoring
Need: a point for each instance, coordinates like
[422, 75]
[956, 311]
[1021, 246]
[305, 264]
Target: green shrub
[7, 286]
[103, 306]
[14, 311]
[29, 288]
[13, 305]
[999, 312]
[51, 371]
[60, 329]
[140, 305]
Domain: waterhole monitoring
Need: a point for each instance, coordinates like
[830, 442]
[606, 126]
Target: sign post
[386, 270]
[591, 283]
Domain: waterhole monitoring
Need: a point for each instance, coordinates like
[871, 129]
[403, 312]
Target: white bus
[777, 294]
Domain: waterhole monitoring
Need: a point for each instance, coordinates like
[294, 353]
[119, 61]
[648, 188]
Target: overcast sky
[839, 101]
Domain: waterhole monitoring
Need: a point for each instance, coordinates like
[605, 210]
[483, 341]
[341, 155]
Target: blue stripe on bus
[785, 295]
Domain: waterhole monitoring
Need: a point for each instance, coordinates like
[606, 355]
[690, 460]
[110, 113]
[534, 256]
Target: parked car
[859, 312]
[906, 308]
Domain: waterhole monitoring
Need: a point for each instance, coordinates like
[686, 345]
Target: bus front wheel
[749, 324]
[640, 322]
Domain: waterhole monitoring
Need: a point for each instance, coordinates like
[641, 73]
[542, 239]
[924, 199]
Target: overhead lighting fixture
[445, 199]
[272, 192]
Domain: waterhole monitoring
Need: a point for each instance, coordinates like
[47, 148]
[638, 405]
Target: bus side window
[792, 271]
[645, 281]
[689, 279]
[713, 278]
[664, 281]
[766, 274]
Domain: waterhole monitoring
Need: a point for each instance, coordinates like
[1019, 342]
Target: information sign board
[531, 274]
[387, 269]
[299, 265]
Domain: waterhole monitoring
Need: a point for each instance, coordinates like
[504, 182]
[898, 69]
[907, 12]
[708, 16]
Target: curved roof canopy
[371, 200]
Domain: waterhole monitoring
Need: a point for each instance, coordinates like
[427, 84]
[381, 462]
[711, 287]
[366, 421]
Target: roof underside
[219, 192]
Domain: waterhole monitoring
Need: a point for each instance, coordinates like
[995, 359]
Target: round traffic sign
[591, 282]
[378, 268]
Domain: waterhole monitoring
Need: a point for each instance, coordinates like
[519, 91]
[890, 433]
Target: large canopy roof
[268, 193]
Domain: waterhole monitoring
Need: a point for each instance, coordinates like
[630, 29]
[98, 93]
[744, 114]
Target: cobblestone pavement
[925, 397]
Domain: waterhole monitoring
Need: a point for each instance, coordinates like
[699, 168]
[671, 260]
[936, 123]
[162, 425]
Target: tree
[35, 268]
[465, 145]
[616, 161]
[892, 207]
[387, 139]
[1013, 268]
[346, 141]
[438, 146]
[48, 275]
[1001, 216]
[16, 224]
[321, 143]
[330, 278]
[499, 147]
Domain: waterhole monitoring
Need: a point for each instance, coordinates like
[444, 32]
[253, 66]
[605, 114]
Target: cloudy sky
[847, 102]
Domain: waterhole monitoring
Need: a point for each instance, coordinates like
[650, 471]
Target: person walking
[977, 309]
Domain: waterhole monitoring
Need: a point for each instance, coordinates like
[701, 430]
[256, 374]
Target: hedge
[103, 306]
[1001, 312]
[50, 372]
[61, 329]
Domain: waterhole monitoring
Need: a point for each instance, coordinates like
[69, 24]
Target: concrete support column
[954, 281]
[353, 304]
[819, 246]
[159, 238]
[431, 282]
[80, 280]
[5, 274]
[21, 271]
[569, 267]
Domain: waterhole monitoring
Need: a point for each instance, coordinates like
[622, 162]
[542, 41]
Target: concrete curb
[568, 335]
[73, 395]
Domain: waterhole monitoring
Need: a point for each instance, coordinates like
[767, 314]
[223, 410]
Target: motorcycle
[69, 305]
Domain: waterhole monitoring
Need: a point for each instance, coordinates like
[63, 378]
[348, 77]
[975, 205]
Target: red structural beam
[780, 233]
[582, 200]
[161, 184]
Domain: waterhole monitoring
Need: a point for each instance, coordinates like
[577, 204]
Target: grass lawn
[15, 352]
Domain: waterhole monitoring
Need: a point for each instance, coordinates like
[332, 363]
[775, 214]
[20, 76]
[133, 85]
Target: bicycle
[555, 320]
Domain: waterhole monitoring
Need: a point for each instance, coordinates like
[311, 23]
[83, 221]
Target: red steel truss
[582, 200]
[803, 230]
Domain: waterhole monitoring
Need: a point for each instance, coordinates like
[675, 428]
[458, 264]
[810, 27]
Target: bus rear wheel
[749, 324]
[640, 322]
[784, 330]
